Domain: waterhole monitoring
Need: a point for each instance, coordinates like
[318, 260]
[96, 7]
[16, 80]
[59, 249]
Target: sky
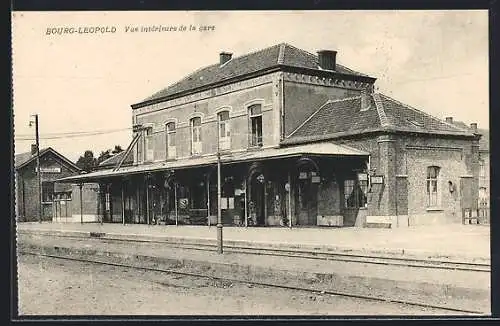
[436, 61]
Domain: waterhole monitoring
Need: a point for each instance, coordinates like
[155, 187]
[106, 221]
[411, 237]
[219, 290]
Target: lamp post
[38, 170]
[219, 211]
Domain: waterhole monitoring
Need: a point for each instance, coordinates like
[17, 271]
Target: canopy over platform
[319, 149]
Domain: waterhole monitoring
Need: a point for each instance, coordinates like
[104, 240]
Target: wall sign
[362, 176]
[377, 179]
[49, 170]
[315, 179]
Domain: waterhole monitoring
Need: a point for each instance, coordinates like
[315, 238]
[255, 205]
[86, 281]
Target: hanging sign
[183, 203]
[303, 175]
[377, 179]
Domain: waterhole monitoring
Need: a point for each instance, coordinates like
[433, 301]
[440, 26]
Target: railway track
[264, 284]
[308, 254]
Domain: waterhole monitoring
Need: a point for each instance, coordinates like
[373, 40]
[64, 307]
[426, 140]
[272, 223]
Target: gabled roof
[344, 117]
[24, 159]
[113, 160]
[280, 55]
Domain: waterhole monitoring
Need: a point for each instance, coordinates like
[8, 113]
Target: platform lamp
[34, 121]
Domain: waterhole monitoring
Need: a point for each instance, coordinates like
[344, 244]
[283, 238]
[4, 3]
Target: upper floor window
[432, 182]
[482, 169]
[148, 144]
[224, 130]
[196, 146]
[170, 130]
[255, 114]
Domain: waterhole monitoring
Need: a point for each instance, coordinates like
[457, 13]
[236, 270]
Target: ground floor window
[47, 192]
[355, 193]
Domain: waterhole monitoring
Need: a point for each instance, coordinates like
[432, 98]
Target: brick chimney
[225, 57]
[327, 59]
[33, 149]
[473, 126]
[365, 99]
[449, 119]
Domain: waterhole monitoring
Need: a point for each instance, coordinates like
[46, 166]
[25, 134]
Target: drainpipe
[81, 202]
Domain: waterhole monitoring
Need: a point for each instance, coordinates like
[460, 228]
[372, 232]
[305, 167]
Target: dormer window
[255, 115]
[224, 130]
[416, 123]
[170, 130]
[196, 146]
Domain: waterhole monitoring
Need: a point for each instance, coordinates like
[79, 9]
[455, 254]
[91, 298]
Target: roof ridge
[319, 109]
[424, 113]
[384, 122]
[212, 65]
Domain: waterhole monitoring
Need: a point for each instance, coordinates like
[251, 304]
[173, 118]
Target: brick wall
[237, 101]
[28, 181]
[404, 159]
[90, 201]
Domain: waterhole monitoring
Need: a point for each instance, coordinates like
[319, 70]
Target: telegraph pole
[219, 211]
[38, 170]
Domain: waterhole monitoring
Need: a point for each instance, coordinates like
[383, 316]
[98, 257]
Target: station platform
[470, 243]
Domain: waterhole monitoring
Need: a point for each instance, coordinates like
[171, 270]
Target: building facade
[302, 141]
[55, 197]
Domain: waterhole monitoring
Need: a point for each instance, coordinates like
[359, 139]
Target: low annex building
[60, 201]
[303, 141]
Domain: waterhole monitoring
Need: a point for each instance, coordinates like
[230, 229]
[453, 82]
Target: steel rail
[271, 285]
[319, 255]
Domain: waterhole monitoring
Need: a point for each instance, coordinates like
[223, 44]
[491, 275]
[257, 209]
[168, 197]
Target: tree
[117, 149]
[87, 162]
[104, 156]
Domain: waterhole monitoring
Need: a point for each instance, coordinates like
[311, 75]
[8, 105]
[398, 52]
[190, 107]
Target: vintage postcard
[251, 163]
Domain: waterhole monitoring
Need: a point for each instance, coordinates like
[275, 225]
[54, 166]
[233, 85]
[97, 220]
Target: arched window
[170, 130]
[196, 146]
[432, 186]
[255, 116]
[224, 130]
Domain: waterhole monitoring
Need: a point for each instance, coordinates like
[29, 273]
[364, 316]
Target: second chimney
[449, 119]
[33, 149]
[327, 59]
[225, 57]
[473, 126]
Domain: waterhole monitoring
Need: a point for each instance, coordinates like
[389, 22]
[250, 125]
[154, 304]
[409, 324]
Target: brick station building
[60, 201]
[303, 141]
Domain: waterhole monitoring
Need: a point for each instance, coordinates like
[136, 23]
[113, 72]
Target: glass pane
[255, 109]
[223, 116]
[222, 130]
[171, 126]
[196, 122]
[434, 186]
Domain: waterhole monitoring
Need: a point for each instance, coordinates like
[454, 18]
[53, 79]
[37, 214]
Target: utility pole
[38, 170]
[219, 211]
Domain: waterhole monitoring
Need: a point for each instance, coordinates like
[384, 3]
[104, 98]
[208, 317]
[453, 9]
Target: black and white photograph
[251, 163]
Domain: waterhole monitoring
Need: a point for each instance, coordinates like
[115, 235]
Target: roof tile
[280, 54]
